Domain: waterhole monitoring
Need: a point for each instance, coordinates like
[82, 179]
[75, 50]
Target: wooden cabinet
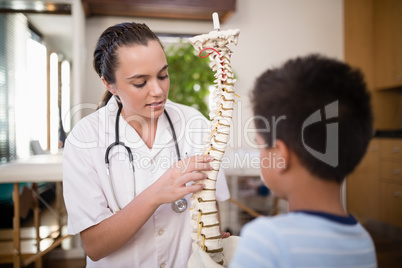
[362, 185]
[390, 171]
[391, 203]
[374, 189]
[373, 43]
[387, 18]
[391, 181]
[391, 149]
[391, 161]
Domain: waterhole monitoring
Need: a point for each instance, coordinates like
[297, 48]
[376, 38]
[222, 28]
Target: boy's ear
[108, 86]
[282, 151]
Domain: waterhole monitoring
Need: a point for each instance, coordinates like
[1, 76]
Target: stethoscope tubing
[177, 206]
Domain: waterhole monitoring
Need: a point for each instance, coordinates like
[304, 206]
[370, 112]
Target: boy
[323, 124]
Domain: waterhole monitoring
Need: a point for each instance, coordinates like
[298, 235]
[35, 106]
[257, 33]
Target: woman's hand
[225, 234]
[172, 185]
[110, 234]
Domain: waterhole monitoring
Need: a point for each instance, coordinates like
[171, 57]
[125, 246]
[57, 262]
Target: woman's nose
[156, 89]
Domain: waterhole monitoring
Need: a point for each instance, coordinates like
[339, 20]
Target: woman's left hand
[225, 234]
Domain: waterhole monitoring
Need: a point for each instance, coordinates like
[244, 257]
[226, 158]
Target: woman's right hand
[171, 186]
[110, 234]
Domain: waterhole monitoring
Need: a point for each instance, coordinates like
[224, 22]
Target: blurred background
[47, 84]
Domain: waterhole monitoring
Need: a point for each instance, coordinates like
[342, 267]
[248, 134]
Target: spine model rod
[204, 215]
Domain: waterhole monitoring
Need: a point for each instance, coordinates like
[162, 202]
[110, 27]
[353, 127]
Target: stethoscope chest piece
[180, 205]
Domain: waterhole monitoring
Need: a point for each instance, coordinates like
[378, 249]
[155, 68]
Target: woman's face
[142, 81]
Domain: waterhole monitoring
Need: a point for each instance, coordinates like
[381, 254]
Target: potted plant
[190, 77]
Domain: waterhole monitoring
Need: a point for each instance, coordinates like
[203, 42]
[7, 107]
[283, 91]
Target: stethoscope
[177, 206]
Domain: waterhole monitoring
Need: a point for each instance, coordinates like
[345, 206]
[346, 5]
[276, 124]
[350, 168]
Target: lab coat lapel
[131, 138]
[163, 136]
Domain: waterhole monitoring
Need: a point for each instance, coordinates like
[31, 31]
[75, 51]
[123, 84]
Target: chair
[36, 148]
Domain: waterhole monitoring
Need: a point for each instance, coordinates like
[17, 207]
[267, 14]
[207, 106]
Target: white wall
[274, 31]
[271, 32]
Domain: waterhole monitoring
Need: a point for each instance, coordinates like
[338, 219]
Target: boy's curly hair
[295, 92]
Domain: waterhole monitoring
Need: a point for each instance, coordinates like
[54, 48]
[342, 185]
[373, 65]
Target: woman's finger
[203, 158]
[193, 176]
[225, 234]
[192, 189]
[199, 167]
[201, 162]
[195, 163]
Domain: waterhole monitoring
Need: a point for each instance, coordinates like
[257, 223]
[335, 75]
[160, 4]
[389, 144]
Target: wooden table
[38, 168]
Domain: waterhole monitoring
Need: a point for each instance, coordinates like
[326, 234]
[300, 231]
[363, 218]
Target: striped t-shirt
[304, 239]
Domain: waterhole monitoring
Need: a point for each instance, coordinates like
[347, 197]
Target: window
[27, 111]
[12, 67]
[31, 104]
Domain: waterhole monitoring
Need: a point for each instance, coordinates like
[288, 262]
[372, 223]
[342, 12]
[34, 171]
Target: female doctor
[126, 192]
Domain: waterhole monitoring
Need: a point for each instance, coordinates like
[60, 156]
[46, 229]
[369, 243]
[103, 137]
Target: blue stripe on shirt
[350, 220]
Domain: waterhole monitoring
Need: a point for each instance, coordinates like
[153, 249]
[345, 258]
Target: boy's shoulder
[299, 222]
[304, 239]
[272, 226]
[311, 229]
[284, 220]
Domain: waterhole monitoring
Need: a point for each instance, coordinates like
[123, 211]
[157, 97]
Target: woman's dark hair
[105, 60]
[306, 101]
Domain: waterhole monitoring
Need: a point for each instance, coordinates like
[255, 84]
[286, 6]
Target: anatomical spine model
[204, 216]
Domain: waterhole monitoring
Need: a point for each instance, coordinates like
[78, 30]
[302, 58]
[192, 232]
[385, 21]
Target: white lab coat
[164, 240]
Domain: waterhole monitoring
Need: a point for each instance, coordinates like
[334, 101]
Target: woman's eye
[140, 85]
[163, 77]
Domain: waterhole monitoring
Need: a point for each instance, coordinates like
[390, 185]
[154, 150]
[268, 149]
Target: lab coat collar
[130, 137]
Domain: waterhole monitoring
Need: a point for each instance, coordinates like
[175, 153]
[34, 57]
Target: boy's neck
[314, 194]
